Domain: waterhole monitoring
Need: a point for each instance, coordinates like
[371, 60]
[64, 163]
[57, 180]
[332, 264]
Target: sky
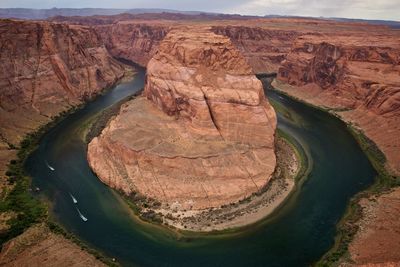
[366, 9]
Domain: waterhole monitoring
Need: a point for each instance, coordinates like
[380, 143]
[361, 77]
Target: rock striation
[136, 41]
[355, 75]
[264, 49]
[46, 68]
[38, 246]
[202, 134]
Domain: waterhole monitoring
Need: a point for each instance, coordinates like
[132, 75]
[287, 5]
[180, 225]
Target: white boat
[81, 215]
[51, 168]
[73, 198]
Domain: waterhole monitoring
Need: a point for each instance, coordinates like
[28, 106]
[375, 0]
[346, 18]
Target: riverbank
[30, 215]
[357, 219]
[40, 246]
[246, 211]
[21, 209]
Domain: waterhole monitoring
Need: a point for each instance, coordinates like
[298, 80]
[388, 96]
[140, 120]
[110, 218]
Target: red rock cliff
[47, 68]
[204, 134]
[358, 76]
[132, 41]
[264, 49]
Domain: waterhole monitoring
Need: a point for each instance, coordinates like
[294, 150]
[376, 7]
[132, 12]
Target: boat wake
[73, 199]
[81, 215]
[48, 166]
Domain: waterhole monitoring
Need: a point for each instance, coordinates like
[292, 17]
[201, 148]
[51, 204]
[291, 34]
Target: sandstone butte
[201, 136]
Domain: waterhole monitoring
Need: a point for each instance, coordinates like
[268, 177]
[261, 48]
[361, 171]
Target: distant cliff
[133, 41]
[264, 49]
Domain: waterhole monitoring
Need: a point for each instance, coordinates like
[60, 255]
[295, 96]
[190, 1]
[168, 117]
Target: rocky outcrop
[38, 246]
[47, 68]
[357, 76]
[264, 49]
[201, 136]
[377, 241]
[133, 41]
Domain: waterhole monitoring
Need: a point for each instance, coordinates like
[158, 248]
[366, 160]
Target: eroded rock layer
[133, 41]
[201, 136]
[356, 75]
[377, 240]
[38, 246]
[46, 68]
[264, 49]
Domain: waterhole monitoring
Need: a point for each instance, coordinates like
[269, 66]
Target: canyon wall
[358, 76]
[46, 68]
[201, 136]
[264, 49]
[132, 41]
[136, 37]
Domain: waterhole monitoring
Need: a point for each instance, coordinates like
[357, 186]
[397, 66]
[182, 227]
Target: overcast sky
[368, 9]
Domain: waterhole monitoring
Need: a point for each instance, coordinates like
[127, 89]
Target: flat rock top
[140, 126]
[196, 47]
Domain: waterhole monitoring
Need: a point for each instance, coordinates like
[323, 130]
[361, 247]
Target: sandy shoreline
[243, 212]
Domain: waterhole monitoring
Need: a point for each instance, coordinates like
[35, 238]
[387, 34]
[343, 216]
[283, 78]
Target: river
[297, 235]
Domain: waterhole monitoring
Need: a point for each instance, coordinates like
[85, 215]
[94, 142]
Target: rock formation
[201, 136]
[377, 241]
[38, 246]
[133, 41]
[264, 49]
[136, 37]
[357, 76]
[46, 68]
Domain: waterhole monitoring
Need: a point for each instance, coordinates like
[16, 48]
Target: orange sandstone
[203, 134]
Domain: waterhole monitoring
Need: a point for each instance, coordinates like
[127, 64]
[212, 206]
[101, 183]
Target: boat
[51, 168]
[73, 199]
[81, 215]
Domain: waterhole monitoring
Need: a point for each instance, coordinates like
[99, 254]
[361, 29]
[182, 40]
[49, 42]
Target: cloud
[369, 9]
